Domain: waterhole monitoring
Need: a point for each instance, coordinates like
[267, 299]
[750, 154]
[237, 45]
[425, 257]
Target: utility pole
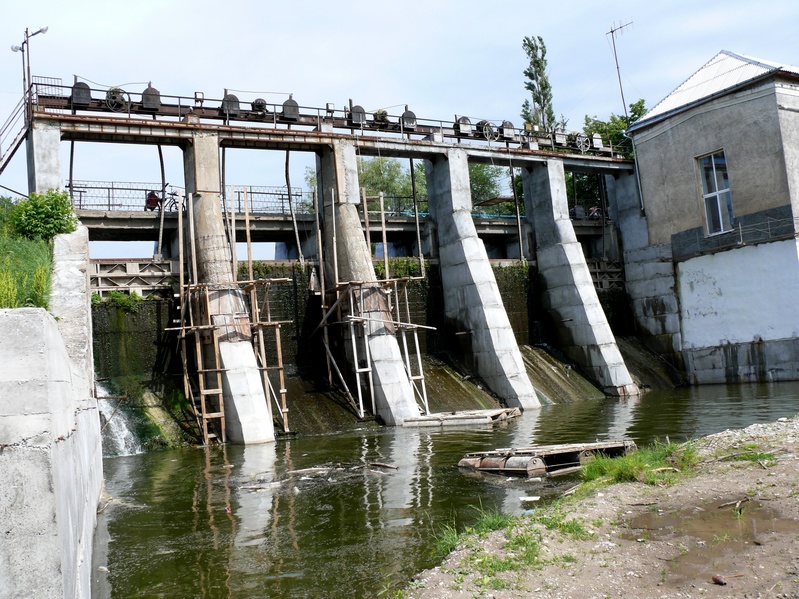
[612, 34]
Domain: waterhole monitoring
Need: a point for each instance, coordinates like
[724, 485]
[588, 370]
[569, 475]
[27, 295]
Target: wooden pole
[383, 226]
[365, 202]
[416, 220]
[235, 259]
[247, 230]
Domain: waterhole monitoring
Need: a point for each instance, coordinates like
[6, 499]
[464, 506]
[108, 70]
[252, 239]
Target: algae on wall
[138, 357]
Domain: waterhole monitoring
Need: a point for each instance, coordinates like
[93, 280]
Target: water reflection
[349, 514]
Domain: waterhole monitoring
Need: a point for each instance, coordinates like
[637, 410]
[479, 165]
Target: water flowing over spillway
[118, 436]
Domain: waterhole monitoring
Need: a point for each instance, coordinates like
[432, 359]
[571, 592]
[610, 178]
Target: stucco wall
[740, 296]
[746, 126]
[788, 102]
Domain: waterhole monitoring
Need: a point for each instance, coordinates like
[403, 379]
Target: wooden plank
[542, 460]
[469, 417]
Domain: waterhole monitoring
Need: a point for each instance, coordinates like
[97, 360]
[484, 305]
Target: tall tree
[540, 111]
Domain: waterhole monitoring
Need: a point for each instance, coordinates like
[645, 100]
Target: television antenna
[612, 33]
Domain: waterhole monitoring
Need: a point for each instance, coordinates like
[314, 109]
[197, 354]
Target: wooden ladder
[206, 395]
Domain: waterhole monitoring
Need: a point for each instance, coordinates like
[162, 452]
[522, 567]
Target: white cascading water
[118, 437]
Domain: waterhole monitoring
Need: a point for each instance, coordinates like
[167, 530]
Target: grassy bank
[668, 517]
[27, 229]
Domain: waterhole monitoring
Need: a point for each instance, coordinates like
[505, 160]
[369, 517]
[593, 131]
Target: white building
[711, 251]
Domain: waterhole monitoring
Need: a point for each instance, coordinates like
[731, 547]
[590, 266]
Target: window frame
[717, 199]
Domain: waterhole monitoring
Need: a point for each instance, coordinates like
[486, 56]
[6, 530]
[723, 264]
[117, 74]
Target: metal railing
[117, 195]
[765, 230]
[132, 196]
[271, 200]
[12, 133]
[250, 111]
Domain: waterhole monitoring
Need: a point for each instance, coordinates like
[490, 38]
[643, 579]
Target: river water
[355, 514]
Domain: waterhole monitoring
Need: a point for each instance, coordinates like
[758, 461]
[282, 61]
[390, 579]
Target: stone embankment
[729, 529]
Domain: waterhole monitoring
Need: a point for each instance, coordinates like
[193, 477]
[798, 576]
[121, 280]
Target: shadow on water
[350, 514]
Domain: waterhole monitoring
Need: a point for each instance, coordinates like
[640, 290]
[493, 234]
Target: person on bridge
[152, 202]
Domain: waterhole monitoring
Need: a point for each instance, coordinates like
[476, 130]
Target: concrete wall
[738, 311]
[50, 448]
[43, 147]
[472, 301]
[568, 294]
[747, 126]
[348, 259]
[788, 106]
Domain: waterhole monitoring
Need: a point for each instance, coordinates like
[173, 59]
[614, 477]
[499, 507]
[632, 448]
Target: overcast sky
[440, 57]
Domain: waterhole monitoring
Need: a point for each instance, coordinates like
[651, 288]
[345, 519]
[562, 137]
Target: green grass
[521, 549]
[654, 465]
[27, 228]
[25, 267]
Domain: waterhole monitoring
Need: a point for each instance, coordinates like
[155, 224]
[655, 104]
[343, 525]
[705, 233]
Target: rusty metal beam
[111, 129]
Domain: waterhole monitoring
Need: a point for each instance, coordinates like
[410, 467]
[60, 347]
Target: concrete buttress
[348, 258]
[43, 147]
[471, 295]
[247, 415]
[569, 294]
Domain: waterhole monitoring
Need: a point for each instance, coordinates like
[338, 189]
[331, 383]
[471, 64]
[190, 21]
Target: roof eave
[632, 129]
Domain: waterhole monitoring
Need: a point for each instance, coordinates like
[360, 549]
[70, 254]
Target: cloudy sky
[440, 57]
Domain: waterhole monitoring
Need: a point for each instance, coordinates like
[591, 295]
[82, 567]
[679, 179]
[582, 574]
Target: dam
[224, 320]
[219, 322]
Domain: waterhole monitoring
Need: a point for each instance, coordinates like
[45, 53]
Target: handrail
[10, 125]
[7, 150]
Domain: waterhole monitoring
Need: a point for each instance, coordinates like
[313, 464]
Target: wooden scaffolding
[353, 304]
[203, 326]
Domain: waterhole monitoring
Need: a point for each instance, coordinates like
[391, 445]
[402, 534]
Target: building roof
[722, 73]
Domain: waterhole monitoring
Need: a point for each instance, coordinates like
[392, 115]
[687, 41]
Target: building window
[716, 193]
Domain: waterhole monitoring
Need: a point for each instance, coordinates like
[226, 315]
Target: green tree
[540, 111]
[393, 178]
[387, 175]
[44, 216]
[614, 128]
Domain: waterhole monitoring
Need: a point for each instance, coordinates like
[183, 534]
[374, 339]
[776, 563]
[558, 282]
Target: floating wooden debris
[465, 418]
[543, 460]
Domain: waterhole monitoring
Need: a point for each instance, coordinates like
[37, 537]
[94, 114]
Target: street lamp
[26, 59]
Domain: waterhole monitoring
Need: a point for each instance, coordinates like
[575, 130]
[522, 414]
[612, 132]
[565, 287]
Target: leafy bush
[43, 216]
[127, 302]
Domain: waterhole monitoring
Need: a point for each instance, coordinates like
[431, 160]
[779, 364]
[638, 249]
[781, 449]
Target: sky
[439, 57]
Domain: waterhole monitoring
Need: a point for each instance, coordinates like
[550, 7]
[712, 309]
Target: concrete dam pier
[232, 384]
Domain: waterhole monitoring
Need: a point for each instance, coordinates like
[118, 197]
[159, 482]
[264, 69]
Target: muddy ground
[731, 530]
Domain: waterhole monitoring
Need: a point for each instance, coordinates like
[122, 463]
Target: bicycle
[167, 201]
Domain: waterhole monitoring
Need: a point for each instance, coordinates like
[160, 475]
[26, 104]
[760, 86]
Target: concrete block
[780, 351]
[504, 341]
[451, 254]
[22, 397]
[459, 275]
[650, 253]
[247, 415]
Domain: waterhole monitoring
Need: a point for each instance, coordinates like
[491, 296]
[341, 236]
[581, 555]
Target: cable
[116, 85]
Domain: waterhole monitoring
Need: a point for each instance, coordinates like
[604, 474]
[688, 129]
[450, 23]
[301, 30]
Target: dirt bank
[736, 520]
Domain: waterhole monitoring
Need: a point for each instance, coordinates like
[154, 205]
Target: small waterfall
[118, 437]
